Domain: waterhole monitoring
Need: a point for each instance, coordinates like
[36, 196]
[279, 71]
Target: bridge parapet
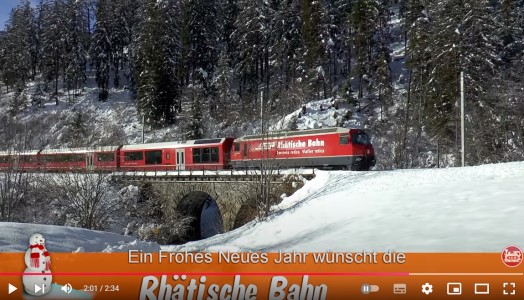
[212, 175]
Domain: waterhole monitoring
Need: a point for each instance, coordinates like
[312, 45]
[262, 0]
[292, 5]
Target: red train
[330, 148]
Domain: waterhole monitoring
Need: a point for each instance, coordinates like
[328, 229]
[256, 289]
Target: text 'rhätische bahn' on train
[327, 148]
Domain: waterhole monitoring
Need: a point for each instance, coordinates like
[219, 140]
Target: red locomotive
[330, 148]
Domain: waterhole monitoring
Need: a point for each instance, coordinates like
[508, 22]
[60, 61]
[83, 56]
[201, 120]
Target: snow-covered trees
[18, 46]
[192, 61]
[101, 47]
[156, 62]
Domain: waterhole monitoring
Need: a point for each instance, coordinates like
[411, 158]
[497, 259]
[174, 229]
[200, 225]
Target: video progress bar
[363, 274]
[466, 274]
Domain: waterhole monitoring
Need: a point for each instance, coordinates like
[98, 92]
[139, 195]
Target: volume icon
[67, 288]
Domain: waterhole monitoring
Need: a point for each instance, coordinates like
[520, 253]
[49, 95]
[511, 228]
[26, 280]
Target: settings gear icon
[427, 288]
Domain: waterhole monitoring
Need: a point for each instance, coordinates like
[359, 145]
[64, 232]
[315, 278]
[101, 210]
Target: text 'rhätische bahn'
[327, 148]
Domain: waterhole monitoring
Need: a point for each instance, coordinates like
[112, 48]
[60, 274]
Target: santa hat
[35, 256]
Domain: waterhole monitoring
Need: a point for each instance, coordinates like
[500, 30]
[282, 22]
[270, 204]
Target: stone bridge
[221, 200]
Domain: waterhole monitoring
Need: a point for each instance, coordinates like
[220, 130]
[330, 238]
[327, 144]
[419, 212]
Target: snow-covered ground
[472, 209]
[15, 237]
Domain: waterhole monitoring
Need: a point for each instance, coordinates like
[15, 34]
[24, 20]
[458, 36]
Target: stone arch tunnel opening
[206, 217]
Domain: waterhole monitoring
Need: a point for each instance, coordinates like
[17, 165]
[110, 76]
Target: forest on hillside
[211, 60]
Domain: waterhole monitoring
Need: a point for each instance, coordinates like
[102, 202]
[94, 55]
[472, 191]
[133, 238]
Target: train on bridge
[327, 148]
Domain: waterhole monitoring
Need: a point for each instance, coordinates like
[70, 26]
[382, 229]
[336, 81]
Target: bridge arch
[206, 217]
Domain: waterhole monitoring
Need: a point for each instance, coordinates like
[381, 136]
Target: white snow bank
[473, 209]
[14, 237]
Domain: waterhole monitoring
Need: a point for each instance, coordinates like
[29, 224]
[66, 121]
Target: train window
[4, 159]
[237, 147]
[74, 157]
[197, 158]
[245, 149]
[360, 138]
[132, 156]
[205, 155]
[105, 157]
[27, 159]
[214, 155]
[154, 157]
[344, 139]
[61, 158]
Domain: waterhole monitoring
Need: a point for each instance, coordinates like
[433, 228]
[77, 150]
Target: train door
[180, 159]
[89, 162]
[244, 152]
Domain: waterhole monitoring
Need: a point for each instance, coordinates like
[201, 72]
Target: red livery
[332, 148]
[337, 148]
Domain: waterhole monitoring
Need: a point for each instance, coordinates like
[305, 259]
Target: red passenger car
[25, 161]
[63, 159]
[210, 154]
[104, 158]
[334, 148]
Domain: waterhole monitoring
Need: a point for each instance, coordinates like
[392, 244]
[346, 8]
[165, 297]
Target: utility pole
[143, 125]
[262, 111]
[462, 129]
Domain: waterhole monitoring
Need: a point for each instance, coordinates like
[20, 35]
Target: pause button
[368, 288]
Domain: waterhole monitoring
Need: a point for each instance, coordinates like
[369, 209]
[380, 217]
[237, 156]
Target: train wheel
[206, 218]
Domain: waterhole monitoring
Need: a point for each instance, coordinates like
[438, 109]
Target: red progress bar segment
[382, 274]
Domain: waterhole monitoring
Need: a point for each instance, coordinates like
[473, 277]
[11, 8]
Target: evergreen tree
[230, 10]
[75, 43]
[203, 44]
[52, 42]
[343, 19]
[382, 75]
[364, 15]
[18, 46]
[252, 35]
[287, 43]
[314, 54]
[462, 41]
[223, 85]
[101, 50]
[287, 50]
[195, 126]
[511, 23]
[158, 51]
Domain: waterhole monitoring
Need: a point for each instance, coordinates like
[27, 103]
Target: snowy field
[15, 237]
[473, 209]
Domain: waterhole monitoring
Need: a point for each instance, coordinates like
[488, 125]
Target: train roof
[176, 144]
[79, 150]
[284, 134]
[14, 153]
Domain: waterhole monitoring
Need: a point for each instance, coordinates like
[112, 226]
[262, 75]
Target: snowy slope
[15, 237]
[470, 209]
[457, 209]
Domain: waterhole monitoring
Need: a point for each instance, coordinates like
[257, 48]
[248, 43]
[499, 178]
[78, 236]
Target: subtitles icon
[399, 288]
[454, 288]
[481, 288]
[369, 288]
